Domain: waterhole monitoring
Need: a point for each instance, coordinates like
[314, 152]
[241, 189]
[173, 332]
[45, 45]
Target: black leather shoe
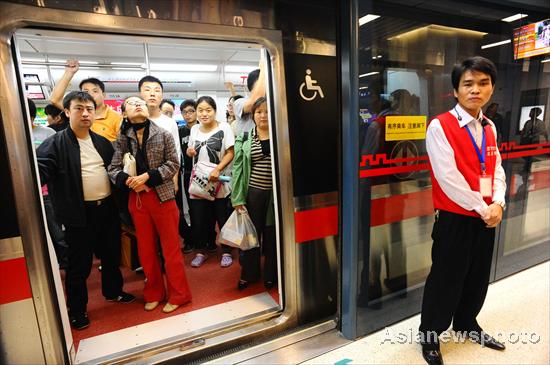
[122, 298]
[268, 284]
[243, 284]
[432, 357]
[79, 321]
[486, 340]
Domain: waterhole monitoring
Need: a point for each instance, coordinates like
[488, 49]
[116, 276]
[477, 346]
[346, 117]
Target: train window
[228, 286]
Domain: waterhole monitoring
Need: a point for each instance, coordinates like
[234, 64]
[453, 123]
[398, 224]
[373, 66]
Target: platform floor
[517, 311]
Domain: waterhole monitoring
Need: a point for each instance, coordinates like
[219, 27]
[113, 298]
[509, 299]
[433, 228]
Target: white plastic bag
[239, 231]
[199, 186]
[129, 163]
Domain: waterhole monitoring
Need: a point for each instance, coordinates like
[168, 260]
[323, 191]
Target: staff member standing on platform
[74, 162]
[468, 194]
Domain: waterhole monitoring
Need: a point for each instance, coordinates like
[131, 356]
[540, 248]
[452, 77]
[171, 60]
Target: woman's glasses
[136, 103]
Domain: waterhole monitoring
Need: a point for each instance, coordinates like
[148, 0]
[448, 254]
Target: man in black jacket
[74, 162]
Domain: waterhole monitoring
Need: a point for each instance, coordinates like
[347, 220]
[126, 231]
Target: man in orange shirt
[107, 121]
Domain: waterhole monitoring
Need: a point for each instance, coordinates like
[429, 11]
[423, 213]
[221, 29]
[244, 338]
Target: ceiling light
[32, 59]
[513, 18]
[367, 18]
[239, 68]
[495, 44]
[369, 74]
[126, 63]
[183, 67]
[546, 60]
[363, 87]
[82, 62]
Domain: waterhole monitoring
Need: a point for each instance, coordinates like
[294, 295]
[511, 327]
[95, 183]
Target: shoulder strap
[245, 136]
[129, 143]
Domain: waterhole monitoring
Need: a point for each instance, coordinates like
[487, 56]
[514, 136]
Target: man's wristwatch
[501, 203]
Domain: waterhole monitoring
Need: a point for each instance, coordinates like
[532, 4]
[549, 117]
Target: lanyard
[480, 154]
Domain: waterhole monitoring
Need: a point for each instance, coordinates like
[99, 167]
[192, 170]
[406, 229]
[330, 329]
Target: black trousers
[100, 236]
[457, 284]
[56, 233]
[185, 230]
[204, 215]
[257, 204]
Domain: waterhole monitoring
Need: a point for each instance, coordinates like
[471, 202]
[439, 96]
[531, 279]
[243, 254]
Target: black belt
[96, 203]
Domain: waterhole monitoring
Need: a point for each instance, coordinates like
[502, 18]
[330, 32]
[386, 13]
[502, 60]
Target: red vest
[466, 160]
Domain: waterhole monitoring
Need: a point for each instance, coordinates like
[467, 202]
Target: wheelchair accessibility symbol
[310, 85]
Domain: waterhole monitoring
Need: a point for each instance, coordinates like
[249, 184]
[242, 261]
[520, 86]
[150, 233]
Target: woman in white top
[210, 141]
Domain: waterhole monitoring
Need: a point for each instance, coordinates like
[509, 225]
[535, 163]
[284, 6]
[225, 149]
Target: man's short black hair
[52, 110]
[149, 78]
[77, 95]
[186, 103]
[252, 78]
[235, 97]
[476, 63]
[32, 108]
[92, 80]
[164, 101]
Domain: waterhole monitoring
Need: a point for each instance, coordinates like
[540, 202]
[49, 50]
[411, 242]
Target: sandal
[226, 261]
[198, 260]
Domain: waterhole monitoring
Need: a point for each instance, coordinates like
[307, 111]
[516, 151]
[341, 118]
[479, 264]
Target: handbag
[239, 231]
[199, 186]
[129, 164]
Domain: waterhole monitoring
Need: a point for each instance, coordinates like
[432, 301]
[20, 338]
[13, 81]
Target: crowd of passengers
[81, 158]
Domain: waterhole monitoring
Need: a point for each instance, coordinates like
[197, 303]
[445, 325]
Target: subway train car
[351, 87]
[195, 48]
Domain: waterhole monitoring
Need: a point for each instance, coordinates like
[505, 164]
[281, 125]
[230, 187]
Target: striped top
[260, 172]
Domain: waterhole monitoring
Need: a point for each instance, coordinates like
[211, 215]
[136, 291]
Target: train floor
[118, 327]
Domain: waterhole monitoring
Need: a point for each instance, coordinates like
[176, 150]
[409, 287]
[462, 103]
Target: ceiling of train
[183, 64]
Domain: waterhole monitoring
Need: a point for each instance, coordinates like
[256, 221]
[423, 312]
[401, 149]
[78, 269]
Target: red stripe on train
[316, 223]
[14, 281]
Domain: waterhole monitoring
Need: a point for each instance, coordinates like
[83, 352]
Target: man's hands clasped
[493, 215]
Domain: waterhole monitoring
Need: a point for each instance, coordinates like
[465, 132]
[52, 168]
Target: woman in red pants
[151, 203]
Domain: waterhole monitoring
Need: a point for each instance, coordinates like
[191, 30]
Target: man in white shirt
[74, 162]
[468, 187]
[243, 106]
[151, 90]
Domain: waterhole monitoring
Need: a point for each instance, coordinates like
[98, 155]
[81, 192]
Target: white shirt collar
[465, 116]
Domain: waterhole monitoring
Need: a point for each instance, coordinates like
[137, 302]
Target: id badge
[486, 186]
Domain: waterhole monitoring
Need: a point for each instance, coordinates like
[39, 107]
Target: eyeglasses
[191, 111]
[136, 103]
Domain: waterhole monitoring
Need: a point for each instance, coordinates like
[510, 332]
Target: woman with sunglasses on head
[252, 187]
[151, 203]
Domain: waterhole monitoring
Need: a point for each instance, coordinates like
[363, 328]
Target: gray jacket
[162, 159]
